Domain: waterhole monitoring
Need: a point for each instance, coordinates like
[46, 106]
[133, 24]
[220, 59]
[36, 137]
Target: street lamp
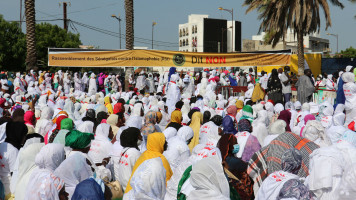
[153, 24]
[337, 40]
[232, 22]
[119, 19]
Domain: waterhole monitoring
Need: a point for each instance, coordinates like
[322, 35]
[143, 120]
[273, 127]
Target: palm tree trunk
[300, 52]
[129, 12]
[31, 59]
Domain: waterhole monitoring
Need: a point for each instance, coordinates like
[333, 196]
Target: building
[313, 43]
[203, 34]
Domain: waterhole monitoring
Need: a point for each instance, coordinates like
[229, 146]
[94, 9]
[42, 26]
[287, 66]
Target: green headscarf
[78, 140]
[247, 113]
[67, 124]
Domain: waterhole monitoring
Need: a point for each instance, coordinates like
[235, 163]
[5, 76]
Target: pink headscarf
[306, 119]
[29, 118]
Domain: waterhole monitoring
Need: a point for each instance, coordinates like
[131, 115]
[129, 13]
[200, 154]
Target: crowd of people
[67, 135]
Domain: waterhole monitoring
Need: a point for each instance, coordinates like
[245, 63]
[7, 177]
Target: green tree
[348, 53]
[52, 36]
[12, 46]
[302, 16]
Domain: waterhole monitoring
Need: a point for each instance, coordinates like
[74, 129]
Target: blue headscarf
[340, 96]
[228, 125]
[172, 70]
[89, 189]
[233, 81]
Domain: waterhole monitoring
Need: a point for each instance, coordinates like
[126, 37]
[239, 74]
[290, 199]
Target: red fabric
[270, 100]
[118, 108]
[29, 117]
[59, 120]
[351, 126]
[2, 102]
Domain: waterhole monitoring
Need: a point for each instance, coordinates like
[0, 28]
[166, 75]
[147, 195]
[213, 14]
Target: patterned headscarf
[150, 121]
[295, 189]
[244, 125]
[292, 161]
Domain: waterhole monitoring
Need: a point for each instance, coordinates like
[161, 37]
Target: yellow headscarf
[197, 120]
[239, 104]
[176, 116]
[159, 116]
[41, 79]
[155, 148]
[258, 93]
[108, 105]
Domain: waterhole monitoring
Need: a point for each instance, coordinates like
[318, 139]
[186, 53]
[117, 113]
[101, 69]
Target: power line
[77, 11]
[115, 34]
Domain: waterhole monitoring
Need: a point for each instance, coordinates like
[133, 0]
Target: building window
[196, 29]
[186, 42]
[187, 31]
[183, 32]
[180, 43]
[183, 43]
[193, 29]
[180, 33]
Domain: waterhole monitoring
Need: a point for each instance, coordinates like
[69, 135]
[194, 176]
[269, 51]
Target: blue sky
[168, 14]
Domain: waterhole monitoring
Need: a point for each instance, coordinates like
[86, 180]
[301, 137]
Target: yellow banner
[154, 58]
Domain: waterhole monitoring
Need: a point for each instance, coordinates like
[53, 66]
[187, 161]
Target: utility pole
[20, 14]
[119, 19]
[65, 26]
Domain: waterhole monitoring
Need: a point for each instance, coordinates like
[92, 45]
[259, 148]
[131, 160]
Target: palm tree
[302, 16]
[31, 58]
[129, 12]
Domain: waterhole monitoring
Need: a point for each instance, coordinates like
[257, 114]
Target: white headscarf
[314, 131]
[208, 179]
[178, 150]
[278, 108]
[100, 146]
[73, 170]
[209, 134]
[260, 126]
[152, 187]
[86, 127]
[26, 167]
[170, 132]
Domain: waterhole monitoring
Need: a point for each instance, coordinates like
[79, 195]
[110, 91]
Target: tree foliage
[348, 53]
[52, 36]
[12, 46]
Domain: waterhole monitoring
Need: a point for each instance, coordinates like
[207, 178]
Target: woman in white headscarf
[277, 109]
[26, 167]
[136, 118]
[87, 127]
[92, 85]
[146, 186]
[73, 170]
[315, 132]
[178, 150]
[85, 81]
[69, 108]
[325, 116]
[337, 129]
[209, 132]
[350, 96]
[173, 93]
[77, 82]
[259, 125]
[165, 116]
[101, 145]
[47, 160]
[274, 130]
[270, 110]
[76, 114]
[45, 123]
[66, 83]
[249, 92]
[208, 180]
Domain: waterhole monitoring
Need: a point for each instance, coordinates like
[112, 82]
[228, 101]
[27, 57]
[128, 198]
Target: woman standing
[274, 87]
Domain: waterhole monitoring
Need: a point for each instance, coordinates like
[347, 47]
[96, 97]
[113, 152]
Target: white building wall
[193, 21]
